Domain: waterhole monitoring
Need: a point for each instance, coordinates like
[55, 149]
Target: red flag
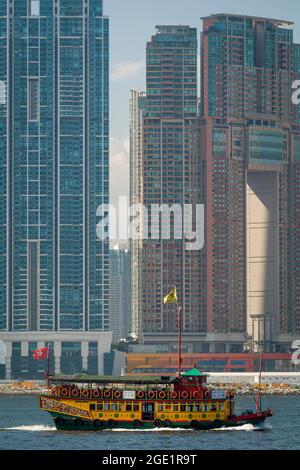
[41, 353]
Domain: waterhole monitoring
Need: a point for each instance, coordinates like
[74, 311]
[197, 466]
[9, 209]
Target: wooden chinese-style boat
[94, 403]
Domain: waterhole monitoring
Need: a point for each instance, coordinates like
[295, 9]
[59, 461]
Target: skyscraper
[170, 176]
[120, 293]
[251, 163]
[54, 170]
[137, 110]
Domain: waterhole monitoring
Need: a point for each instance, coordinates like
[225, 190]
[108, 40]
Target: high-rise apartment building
[119, 293]
[54, 171]
[251, 174]
[171, 176]
[136, 111]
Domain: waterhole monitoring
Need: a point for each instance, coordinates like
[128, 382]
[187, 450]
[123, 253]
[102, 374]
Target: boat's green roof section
[193, 373]
[105, 379]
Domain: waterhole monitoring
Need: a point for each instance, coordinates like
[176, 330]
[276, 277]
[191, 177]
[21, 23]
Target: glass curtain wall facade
[54, 165]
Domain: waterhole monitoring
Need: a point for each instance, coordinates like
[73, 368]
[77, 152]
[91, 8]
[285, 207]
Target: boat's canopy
[105, 379]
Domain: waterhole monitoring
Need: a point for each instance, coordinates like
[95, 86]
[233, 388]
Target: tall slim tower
[170, 176]
[136, 111]
[54, 170]
[251, 167]
[120, 293]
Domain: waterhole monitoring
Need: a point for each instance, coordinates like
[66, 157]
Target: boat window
[120, 407]
[106, 407]
[168, 407]
[128, 406]
[100, 406]
[114, 407]
[190, 408]
[175, 407]
[159, 407]
[206, 407]
[92, 407]
[183, 407]
[136, 407]
[198, 408]
[221, 406]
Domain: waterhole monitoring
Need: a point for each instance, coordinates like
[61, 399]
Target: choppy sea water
[24, 426]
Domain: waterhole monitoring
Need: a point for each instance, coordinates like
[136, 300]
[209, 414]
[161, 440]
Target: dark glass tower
[54, 165]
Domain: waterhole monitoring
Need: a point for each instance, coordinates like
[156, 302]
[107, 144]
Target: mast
[258, 398]
[179, 339]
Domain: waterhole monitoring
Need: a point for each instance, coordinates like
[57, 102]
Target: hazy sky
[132, 22]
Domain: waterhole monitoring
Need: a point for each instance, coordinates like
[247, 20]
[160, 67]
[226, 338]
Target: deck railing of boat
[110, 394]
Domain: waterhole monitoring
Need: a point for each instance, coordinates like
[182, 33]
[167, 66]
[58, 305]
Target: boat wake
[45, 428]
[149, 430]
[32, 428]
[245, 427]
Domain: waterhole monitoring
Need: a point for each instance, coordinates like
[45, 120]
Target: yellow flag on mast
[171, 298]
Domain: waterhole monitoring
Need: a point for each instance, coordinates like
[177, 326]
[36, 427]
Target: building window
[296, 147]
[2, 93]
[34, 8]
[219, 143]
[267, 146]
[33, 99]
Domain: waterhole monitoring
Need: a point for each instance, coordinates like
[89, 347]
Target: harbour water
[24, 426]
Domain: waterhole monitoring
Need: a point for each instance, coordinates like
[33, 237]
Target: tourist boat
[94, 403]
[183, 401]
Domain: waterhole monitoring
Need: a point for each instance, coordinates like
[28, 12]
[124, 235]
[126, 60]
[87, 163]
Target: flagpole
[171, 298]
[48, 366]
